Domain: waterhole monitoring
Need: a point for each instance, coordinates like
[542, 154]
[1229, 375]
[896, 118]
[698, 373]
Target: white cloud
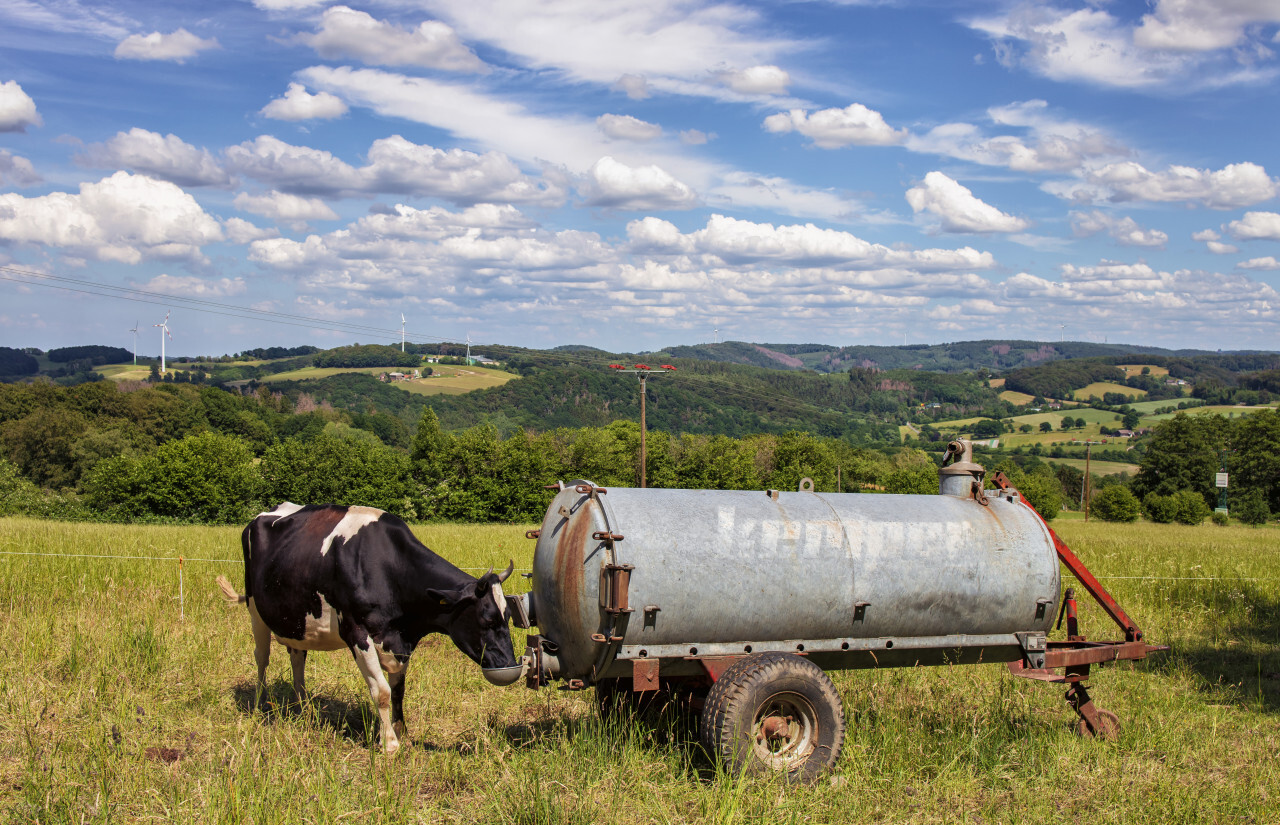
[16, 170]
[298, 104]
[1183, 45]
[1205, 235]
[634, 86]
[240, 231]
[346, 32]
[616, 185]
[121, 218]
[854, 125]
[957, 207]
[626, 127]
[734, 242]
[694, 137]
[68, 17]
[1267, 263]
[1195, 26]
[510, 128]
[668, 46]
[1125, 231]
[285, 207]
[757, 80]
[167, 157]
[395, 166]
[1255, 226]
[17, 109]
[288, 5]
[1220, 248]
[1231, 187]
[189, 286]
[1053, 145]
[176, 46]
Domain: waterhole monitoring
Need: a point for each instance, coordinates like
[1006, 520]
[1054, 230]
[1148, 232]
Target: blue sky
[639, 173]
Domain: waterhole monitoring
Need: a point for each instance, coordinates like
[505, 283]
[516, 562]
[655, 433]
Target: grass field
[1098, 468]
[1099, 388]
[1016, 398]
[117, 710]
[1136, 369]
[444, 380]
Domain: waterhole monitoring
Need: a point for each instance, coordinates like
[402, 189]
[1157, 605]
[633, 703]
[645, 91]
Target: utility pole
[1084, 485]
[643, 371]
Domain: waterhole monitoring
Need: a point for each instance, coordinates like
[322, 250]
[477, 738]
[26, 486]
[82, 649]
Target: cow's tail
[229, 593]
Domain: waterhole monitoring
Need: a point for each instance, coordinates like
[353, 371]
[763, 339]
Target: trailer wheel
[774, 712]
[1110, 726]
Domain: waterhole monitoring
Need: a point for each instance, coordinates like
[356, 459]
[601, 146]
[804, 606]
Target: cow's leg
[298, 658]
[261, 648]
[395, 677]
[379, 692]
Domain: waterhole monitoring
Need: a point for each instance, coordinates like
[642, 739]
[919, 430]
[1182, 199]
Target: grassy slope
[1100, 388]
[444, 380]
[100, 669]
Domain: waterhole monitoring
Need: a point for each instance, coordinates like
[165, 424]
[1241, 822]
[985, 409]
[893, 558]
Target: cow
[325, 577]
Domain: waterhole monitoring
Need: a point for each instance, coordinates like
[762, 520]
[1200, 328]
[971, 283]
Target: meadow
[123, 701]
[444, 379]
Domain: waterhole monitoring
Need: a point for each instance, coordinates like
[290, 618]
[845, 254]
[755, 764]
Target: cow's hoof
[402, 732]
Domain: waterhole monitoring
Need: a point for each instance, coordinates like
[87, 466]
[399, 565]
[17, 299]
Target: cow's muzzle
[503, 676]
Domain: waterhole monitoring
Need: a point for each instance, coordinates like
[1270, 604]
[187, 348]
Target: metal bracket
[644, 674]
[860, 611]
[1034, 646]
[615, 582]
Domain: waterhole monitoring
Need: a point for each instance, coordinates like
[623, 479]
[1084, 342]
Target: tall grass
[112, 709]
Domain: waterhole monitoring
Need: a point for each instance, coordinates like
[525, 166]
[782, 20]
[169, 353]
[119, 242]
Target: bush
[1189, 507]
[208, 478]
[1251, 507]
[1220, 518]
[1160, 509]
[1116, 503]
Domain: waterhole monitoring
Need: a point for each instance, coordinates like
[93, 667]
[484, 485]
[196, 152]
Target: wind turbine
[402, 332]
[1063, 336]
[164, 330]
[468, 349]
[136, 324]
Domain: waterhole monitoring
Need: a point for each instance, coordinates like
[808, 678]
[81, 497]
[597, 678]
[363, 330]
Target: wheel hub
[785, 730]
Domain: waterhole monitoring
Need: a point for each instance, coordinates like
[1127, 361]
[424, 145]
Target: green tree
[1251, 507]
[1160, 509]
[1183, 454]
[1131, 419]
[42, 445]
[1026, 428]
[1254, 462]
[1189, 507]
[1046, 427]
[1067, 422]
[332, 469]
[429, 450]
[1115, 503]
[207, 477]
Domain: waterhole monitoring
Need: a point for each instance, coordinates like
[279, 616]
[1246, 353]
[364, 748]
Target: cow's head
[477, 623]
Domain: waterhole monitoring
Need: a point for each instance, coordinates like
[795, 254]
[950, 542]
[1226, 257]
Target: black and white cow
[324, 577]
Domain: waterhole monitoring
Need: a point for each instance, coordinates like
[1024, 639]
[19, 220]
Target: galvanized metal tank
[850, 580]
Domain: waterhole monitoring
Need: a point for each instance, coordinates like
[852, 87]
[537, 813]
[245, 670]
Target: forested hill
[700, 397]
[962, 356]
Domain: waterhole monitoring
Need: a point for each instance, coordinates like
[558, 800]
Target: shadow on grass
[1238, 661]
[353, 722]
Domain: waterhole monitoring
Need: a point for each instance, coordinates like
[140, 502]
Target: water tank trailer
[738, 601]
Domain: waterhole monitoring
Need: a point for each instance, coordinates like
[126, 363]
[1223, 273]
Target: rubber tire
[752, 684]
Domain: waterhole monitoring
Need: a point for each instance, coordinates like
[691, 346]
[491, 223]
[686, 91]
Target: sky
[635, 174]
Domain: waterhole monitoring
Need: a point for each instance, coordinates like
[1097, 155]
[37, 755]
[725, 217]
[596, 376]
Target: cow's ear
[451, 598]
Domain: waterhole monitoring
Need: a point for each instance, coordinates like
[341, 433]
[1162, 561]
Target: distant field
[1098, 468]
[1136, 369]
[124, 372]
[1228, 410]
[1099, 388]
[1016, 398]
[444, 380]
[996, 383]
